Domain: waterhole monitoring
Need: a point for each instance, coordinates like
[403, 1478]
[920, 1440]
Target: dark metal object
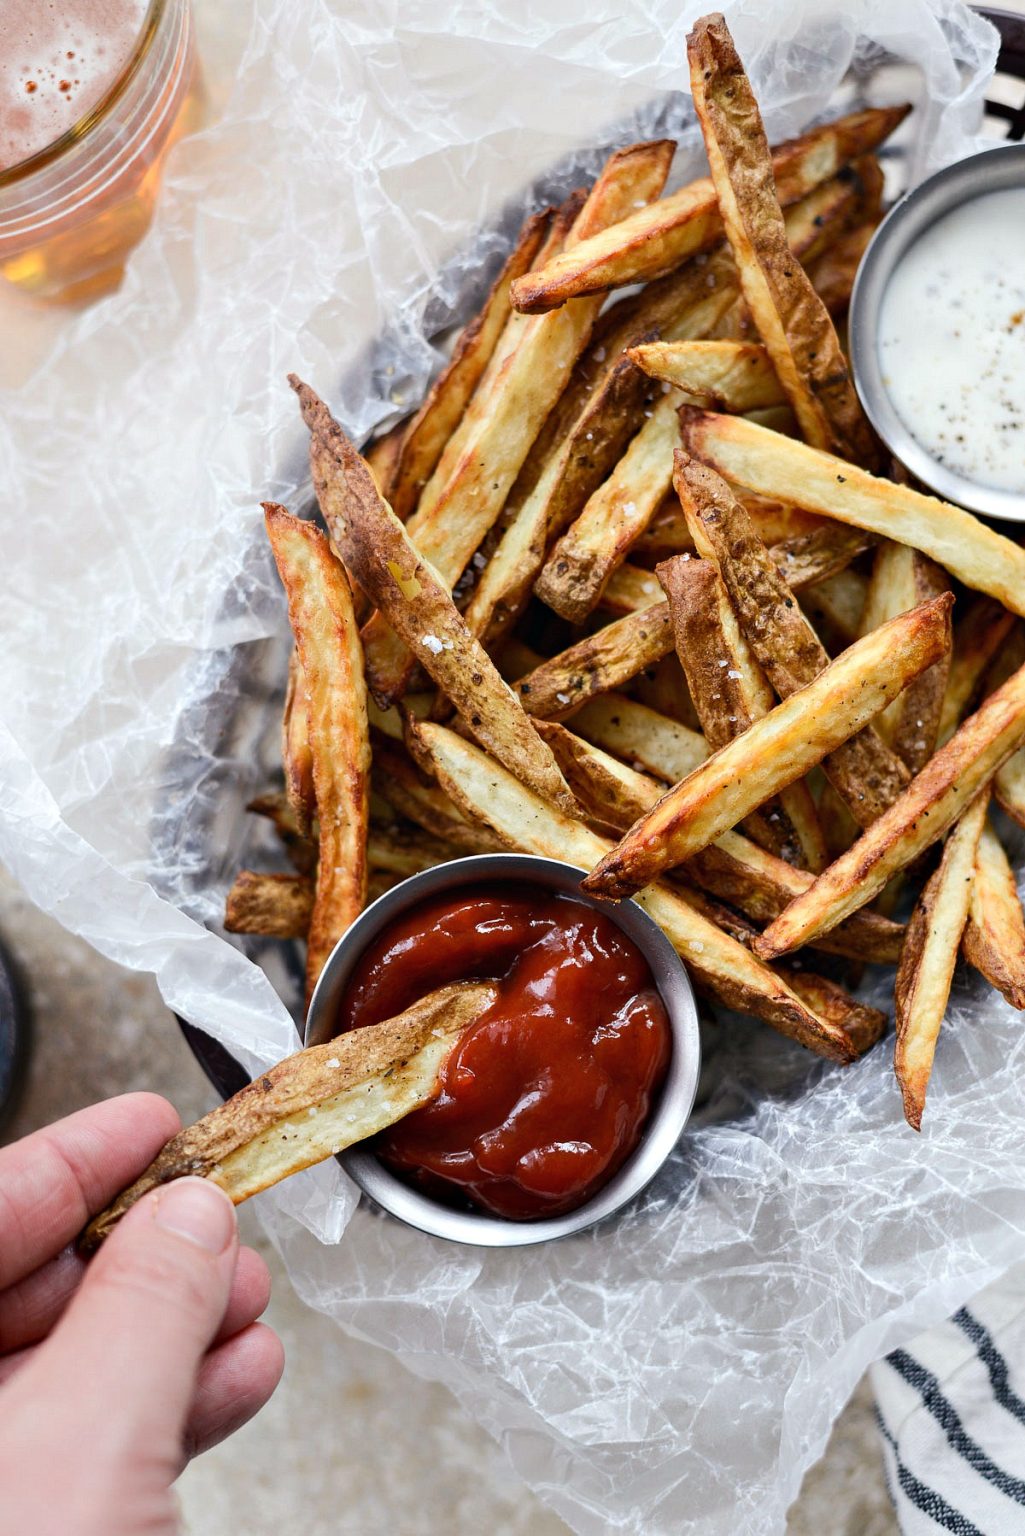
[14, 1036]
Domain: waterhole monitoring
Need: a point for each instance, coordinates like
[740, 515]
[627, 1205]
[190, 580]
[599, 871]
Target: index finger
[54, 1180]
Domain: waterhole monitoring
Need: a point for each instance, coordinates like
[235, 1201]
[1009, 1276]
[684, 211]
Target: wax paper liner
[356, 186]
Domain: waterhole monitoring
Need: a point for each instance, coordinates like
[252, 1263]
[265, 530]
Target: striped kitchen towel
[951, 1411]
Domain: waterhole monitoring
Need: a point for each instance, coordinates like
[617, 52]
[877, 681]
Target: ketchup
[548, 1093]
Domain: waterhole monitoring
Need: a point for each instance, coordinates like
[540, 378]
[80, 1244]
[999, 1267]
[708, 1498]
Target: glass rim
[99, 111]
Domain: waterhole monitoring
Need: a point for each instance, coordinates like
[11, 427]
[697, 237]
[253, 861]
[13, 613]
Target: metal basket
[240, 693]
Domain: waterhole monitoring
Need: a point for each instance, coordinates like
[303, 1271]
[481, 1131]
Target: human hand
[113, 1374]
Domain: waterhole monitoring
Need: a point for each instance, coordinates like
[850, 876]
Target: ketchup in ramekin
[549, 1092]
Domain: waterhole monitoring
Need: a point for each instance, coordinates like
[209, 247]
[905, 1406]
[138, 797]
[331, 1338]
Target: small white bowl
[667, 1119]
[994, 170]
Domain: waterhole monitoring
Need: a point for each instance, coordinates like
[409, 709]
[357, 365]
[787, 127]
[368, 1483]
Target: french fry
[832, 274]
[638, 734]
[278, 906]
[835, 606]
[578, 568]
[312, 1105]
[977, 639]
[439, 415]
[863, 1026]
[994, 936]
[378, 549]
[866, 774]
[406, 852]
[382, 454]
[775, 751]
[663, 687]
[778, 467]
[730, 692]
[597, 664]
[630, 589]
[777, 522]
[398, 781]
[301, 849]
[296, 756]
[447, 531]
[718, 963]
[790, 317]
[324, 624]
[902, 578]
[657, 239]
[930, 953]
[719, 375]
[931, 803]
[1009, 787]
[734, 868]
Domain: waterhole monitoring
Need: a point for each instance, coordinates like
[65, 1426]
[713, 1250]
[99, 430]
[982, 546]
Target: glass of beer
[93, 93]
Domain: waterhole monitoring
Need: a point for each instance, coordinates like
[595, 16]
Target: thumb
[145, 1314]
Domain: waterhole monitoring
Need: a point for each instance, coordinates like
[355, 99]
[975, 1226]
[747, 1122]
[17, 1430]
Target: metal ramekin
[670, 1114]
[994, 170]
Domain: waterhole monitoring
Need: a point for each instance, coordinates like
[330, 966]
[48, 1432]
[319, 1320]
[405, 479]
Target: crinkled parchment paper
[361, 172]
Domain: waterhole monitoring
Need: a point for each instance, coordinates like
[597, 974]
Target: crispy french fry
[447, 531]
[832, 274]
[719, 964]
[930, 953]
[791, 319]
[977, 639]
[312, 1105]
[730, 692]
[863, 1026]
[866, 774]
[663, 687]
[439, 415]
[278, 906]
[994, 936]
[398, 781]
[835, 607]
[324, 624]
[597, 664]
[378, 549]
[296, 756]
[407, 852]
[630, 589]
[777, 466]
[641, 735]
[582, 561]
[902, 578]
[775, 751]
[1009, 786]
[734, 868]
[777, 522]
[383, 453]
[931, 803]
[657, 239]
[720, 375]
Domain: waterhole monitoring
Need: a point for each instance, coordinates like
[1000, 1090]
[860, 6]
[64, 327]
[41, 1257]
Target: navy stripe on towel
[993, 1360]
[949, 1421]
[925, 1498]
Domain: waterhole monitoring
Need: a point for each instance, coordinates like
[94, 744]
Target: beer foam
[57, 60]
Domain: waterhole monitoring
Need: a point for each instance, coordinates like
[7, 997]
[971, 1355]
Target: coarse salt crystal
[433, 644]
[733, 673]
[334, 1062]
[562, 698]
[599, 355]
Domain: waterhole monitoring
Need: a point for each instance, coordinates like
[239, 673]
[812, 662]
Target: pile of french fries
[637, 588]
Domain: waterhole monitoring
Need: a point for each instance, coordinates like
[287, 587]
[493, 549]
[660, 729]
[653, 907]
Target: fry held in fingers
[313, 1104]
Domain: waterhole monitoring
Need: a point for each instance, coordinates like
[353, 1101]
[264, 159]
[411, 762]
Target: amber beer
[93, 93]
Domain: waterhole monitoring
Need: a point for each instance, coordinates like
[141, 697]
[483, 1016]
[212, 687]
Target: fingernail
[197, 1210]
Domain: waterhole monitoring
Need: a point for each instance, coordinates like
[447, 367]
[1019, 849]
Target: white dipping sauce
[952, 339]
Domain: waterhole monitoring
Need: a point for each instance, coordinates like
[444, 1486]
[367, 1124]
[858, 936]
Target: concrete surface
[323, 1454]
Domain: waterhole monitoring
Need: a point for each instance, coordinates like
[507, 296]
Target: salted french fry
[719, 375]
[447, 531]
[902, 578]
[383, 453]
[977, 639]
[312, 1105]
[579, 566]
[832, 274]
[378, 549]
[790, 317]
[994, 936]
[931, 803]
[407, 852]
[777, 466]
[930, 953]
[866, 774]
[835, 606]
[864, 1026]
[321, 614]
[777, 522]
[730, 692]
[657, 239]
[597, 664]
[400, 784]
[296, 757]
[277, 906]
[663, 687]
[630, 589]
[734, 868]
[717, 962]
[776, 751]
[641, 735]
[439, 415]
